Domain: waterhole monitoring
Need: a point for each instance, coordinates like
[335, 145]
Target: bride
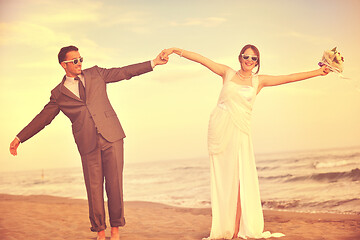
[235, 196]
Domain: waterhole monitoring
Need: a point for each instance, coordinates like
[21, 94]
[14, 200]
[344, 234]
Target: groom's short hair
[64, 51]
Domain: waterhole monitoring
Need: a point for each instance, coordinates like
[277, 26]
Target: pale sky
[165, 113]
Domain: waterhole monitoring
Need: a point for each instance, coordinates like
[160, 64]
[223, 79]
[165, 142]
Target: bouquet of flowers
[333, 60]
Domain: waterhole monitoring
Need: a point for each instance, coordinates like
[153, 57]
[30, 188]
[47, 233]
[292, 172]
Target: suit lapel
[87, 79]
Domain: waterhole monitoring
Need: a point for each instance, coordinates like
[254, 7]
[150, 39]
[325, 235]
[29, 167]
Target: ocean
[309, 181]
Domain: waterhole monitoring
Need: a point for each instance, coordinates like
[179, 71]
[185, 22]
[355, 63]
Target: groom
[98, 134]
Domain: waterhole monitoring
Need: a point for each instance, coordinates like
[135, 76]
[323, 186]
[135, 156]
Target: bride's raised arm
[217, 68]
[267, 80]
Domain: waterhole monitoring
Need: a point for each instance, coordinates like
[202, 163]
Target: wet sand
[47, 217]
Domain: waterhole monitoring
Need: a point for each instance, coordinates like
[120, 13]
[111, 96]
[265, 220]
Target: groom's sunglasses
[75, 61]
[253, 57]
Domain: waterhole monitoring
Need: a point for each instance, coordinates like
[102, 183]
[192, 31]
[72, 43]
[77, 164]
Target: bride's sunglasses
[252, 57]
[75, 61]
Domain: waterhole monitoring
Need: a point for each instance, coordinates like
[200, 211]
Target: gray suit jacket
[87, 117]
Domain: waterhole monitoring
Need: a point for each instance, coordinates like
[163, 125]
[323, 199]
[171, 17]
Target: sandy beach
[47, 217]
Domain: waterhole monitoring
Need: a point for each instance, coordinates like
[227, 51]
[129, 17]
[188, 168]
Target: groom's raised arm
[127, 72]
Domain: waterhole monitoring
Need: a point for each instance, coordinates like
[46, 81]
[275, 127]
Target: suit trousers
[105, 162]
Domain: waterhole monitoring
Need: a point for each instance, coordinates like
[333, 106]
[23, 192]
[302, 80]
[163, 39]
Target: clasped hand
[162, 58]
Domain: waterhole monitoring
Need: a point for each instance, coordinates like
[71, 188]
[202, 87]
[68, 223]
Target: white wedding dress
[232, 163]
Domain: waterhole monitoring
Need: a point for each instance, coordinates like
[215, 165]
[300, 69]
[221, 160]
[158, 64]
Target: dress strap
[229, 74]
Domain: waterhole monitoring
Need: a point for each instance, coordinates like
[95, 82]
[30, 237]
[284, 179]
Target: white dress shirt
[73, 85]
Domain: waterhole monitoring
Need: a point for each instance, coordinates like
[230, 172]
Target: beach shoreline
[48, 217]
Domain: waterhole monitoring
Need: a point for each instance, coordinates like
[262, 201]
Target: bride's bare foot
[235, 234]
[101, 235]
[115, 233]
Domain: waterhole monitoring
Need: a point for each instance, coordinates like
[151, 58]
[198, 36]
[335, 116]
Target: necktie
[81, 89]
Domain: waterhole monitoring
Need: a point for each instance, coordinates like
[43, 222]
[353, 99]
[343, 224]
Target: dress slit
[238, 205]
